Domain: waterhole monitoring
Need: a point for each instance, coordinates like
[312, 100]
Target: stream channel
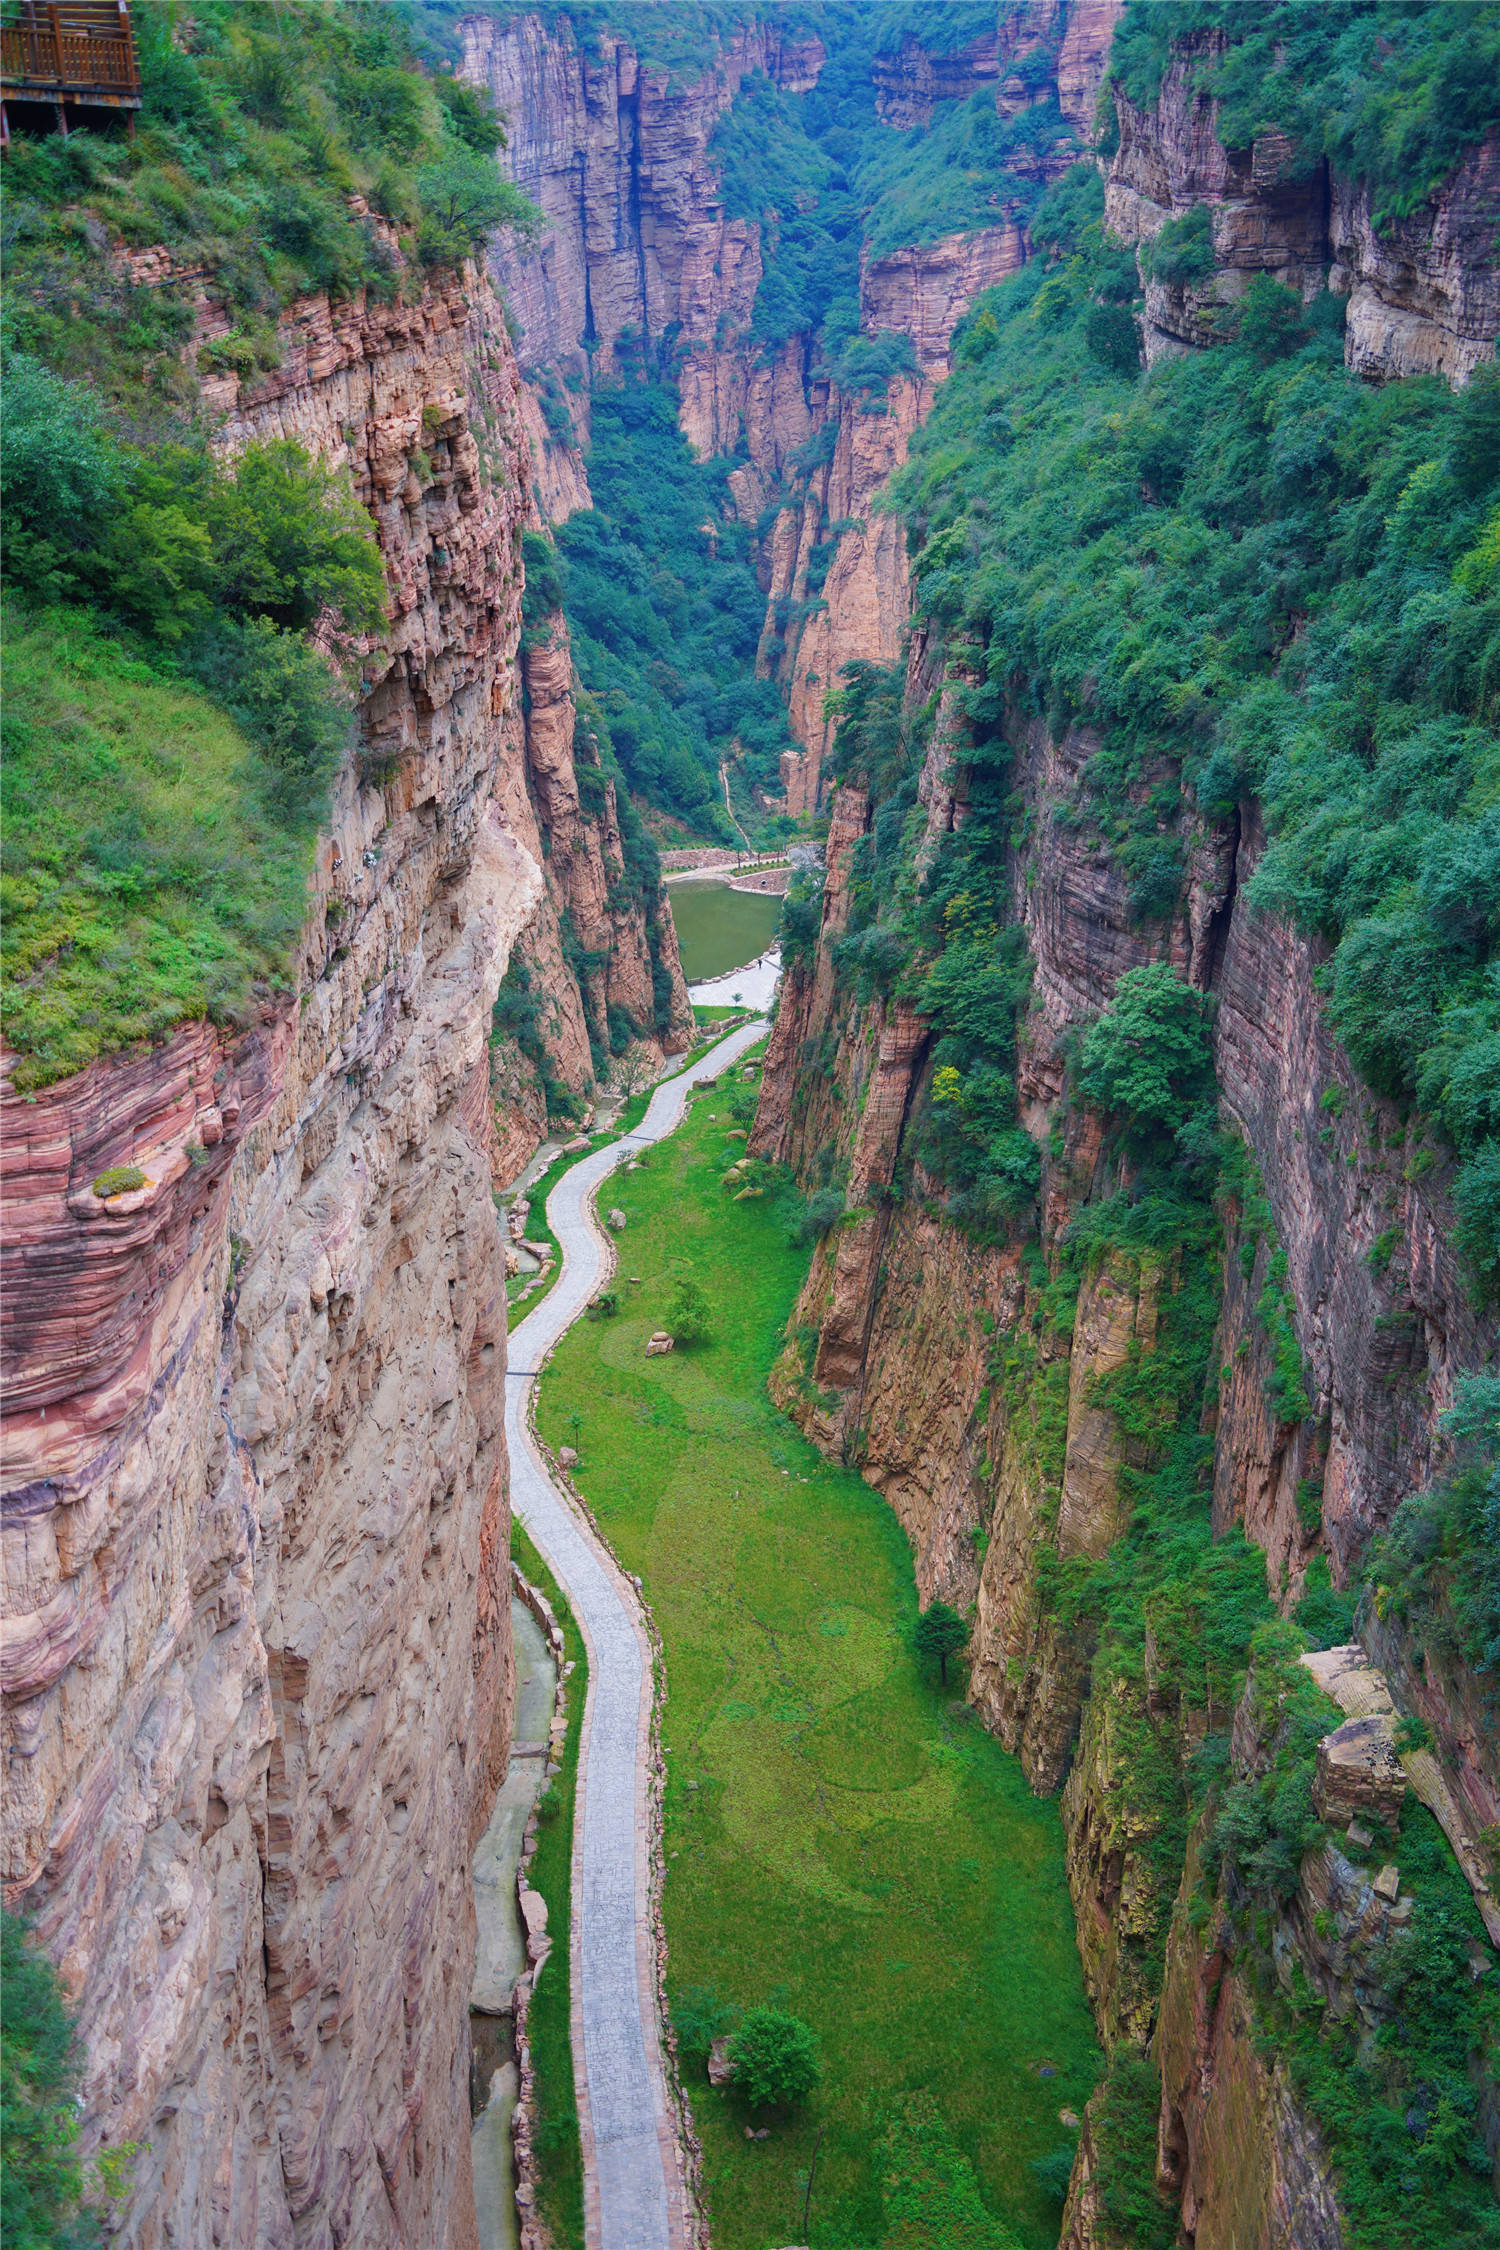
[501, 1955]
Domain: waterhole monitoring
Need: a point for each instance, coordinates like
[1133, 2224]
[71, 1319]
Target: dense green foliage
[151, 869]
[1125, 2117]
[776, 2059]
[1438, 1566]
[826, 177]
[254, 132]
[1252, 576]
[1400, 2109]
[665, 613]
[158, 838]
[1392, 92]
[42, 2181]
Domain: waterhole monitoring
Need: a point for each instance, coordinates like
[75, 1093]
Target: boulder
[617, 1220]
[566, 1457]
[656, 1344]
[576, 1147]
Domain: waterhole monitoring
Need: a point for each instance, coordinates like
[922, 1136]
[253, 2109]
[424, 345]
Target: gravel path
[634, 2193]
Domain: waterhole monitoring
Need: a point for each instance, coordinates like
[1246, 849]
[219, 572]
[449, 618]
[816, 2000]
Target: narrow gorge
[1034, 468]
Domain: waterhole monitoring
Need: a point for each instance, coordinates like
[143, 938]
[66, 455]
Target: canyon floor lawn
[842, 1837]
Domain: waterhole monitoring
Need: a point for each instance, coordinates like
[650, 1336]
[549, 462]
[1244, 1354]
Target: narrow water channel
[501, 1954]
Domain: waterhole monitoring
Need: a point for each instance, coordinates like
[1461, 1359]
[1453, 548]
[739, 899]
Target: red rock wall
[583, 864]
[257, 1633]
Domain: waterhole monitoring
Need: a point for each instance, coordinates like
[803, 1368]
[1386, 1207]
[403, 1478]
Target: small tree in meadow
[940, 1632]
[775, 2057]
[688, 1314]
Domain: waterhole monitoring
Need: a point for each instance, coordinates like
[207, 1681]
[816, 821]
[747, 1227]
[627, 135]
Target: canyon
[257, 1670]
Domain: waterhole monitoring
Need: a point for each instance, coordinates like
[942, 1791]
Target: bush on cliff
[1250, 577]
[42, 2178]
[262, 145]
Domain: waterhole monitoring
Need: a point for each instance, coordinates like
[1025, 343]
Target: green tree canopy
[940, 1632]
[775, 2057]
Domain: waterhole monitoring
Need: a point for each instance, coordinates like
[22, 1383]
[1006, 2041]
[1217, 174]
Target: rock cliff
[639, 265]
[1423, 292]
[257, 1665]
[948, 1373]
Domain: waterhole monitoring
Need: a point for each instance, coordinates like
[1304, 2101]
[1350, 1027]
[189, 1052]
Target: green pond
[719, 929]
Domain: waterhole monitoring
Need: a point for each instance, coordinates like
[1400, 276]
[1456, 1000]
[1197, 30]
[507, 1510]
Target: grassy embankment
[549, 2024]
[841, 1835]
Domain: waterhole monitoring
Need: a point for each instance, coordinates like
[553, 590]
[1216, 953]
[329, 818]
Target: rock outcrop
[257, 1622]
[638, 265]
[602, 937]
[1423, 291]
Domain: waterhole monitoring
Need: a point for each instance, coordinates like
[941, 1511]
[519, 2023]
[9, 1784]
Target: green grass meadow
[842, 1837]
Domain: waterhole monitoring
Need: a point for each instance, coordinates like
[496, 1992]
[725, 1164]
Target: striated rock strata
[256, 1645]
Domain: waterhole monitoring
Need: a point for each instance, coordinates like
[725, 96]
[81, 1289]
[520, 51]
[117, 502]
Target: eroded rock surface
[257, 1640]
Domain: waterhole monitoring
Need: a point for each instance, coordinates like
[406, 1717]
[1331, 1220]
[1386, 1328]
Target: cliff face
[1424, 293]
[944, 1371]
[638, 263]
[257, 1640]
[619, 946]
[615, 155]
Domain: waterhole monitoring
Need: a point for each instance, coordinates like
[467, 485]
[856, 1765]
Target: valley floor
[842, 1837]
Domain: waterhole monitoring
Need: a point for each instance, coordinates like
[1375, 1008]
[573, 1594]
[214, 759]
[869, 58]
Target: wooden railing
[80, 49]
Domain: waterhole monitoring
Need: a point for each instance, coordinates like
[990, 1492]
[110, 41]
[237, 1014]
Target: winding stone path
[635, 2197]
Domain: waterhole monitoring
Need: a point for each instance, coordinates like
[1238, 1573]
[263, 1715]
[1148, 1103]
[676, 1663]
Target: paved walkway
[634, 2194]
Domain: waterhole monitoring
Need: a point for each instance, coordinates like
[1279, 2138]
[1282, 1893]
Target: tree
[940, 1632]
[688, 1314]
[43, 2180]
[1147, 1056]
[464, 199]
[775, 2059]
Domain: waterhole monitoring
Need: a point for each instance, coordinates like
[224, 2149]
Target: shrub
[688, 1316]
[939, 1633]
[119, 1179]
[1181, 253]
[1147, 1058]
[42, 2180]
[1476, 1198]
[289, 700]
[775, 2057]
[465, 199]
[821, 1212]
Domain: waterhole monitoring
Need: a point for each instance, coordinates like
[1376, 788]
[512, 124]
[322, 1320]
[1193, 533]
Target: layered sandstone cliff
[1423, 291]
[943, 1370]
[257, 1646]
[600, 939]
[638, 265]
